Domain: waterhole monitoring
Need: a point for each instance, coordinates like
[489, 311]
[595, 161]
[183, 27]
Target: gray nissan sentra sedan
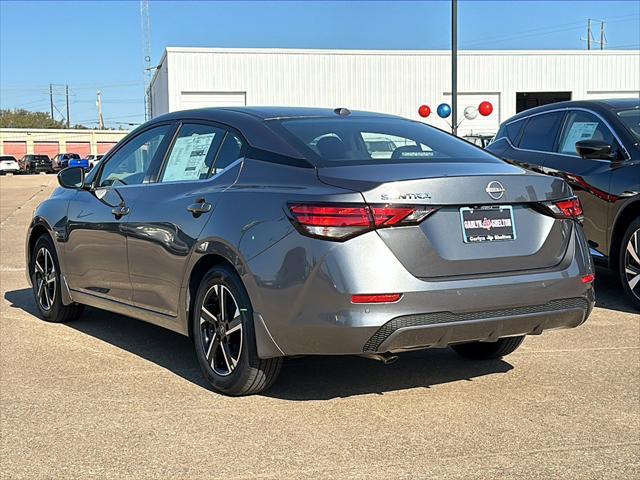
[263, 233]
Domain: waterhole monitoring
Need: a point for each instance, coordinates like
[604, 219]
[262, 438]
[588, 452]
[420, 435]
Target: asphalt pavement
[111, 397]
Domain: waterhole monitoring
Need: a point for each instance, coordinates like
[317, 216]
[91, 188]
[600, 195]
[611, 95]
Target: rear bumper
[304, 302]
[445, 328]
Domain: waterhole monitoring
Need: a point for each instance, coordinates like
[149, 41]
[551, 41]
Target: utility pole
[591, 39]
[51, 99]
[146, 54]
[99, 104]
[67, 95]
[454, 67]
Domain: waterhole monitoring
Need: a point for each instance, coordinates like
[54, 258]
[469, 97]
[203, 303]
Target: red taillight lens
[340, 222]
[382, 298]
[569, 208]
[331, 221]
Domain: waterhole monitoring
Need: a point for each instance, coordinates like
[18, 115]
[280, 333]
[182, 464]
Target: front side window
[374, 140]
[129, 165]
[583, 126]
[631, 120]
[541, 131]
[192, 153]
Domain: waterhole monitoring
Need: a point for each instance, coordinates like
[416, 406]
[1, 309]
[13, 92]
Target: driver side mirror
[71, 177]
[594, 149]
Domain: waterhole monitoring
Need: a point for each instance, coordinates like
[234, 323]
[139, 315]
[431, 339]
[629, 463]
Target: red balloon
[424, 111]
[485, 109]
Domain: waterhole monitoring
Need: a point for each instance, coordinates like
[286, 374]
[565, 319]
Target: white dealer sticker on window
[187, 160]
[578, 131]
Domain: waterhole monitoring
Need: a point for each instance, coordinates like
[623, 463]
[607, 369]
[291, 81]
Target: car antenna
[343, 112]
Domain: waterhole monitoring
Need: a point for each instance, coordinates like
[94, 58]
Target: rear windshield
[41, 157]
[371, 140]
[7, 159]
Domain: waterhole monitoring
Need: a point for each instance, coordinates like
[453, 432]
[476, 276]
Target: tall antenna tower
[146, 55]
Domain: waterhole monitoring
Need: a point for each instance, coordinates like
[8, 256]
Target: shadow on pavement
[609, 292]
[308, 378]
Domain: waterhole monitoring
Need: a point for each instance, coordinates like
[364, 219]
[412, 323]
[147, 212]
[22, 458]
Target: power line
[561, 27]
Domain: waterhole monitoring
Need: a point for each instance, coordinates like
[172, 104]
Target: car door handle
[120, 211]
[200, 207]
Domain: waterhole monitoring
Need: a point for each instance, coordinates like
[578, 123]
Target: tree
[21, 118]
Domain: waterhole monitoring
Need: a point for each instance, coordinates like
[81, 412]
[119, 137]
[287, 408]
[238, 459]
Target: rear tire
[628, 264]
[224, 336]
[488, 350]
[46, 284]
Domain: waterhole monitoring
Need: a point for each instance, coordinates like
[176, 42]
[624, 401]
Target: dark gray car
[264, 233]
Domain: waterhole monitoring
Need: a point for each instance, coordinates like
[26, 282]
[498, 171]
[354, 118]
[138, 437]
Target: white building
[392, 81]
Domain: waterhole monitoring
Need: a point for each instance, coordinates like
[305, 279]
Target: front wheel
[488, 350]
[45, 279]
[629, 267]
[224, 338]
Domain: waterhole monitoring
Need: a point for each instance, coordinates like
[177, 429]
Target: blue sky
[92, 44]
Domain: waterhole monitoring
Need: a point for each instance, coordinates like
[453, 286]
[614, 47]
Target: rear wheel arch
[622, 222]
[199, 270]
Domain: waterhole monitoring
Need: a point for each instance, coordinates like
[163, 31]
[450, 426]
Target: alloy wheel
[45, 278]
[221, 330]
[632, 263]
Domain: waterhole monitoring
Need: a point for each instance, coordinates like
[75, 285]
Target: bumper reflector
[383, 298]
[588, 278]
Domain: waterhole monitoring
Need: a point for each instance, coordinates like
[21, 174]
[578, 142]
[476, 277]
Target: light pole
[454, 66]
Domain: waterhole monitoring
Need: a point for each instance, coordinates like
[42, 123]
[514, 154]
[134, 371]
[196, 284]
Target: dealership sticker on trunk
[487, 224]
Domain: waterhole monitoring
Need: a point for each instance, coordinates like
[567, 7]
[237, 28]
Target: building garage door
[50, 149]
[15, 149]
[480, 124]
[104, 147]
[81, 148]
[189, 100]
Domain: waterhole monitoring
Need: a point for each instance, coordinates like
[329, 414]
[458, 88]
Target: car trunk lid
[437, 247]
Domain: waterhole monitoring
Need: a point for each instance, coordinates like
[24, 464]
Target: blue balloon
[444, 110]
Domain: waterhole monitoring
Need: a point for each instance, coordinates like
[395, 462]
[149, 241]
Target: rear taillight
[344, 221]
[570, 208]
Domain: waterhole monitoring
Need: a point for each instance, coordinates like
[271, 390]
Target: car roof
[252, 122]
[600, 105]
[270, 112]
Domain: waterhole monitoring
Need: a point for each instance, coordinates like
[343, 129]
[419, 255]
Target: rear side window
[230, 151]
[374, 140]
[541, 131]
[192, 153]
[513, 131]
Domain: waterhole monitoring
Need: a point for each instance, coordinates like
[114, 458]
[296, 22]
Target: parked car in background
[93, 160]
[270, 232]
[8, 164]
[481, 140]
[79, 162]
[35, 163]
[595, 146]
[61, 160]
